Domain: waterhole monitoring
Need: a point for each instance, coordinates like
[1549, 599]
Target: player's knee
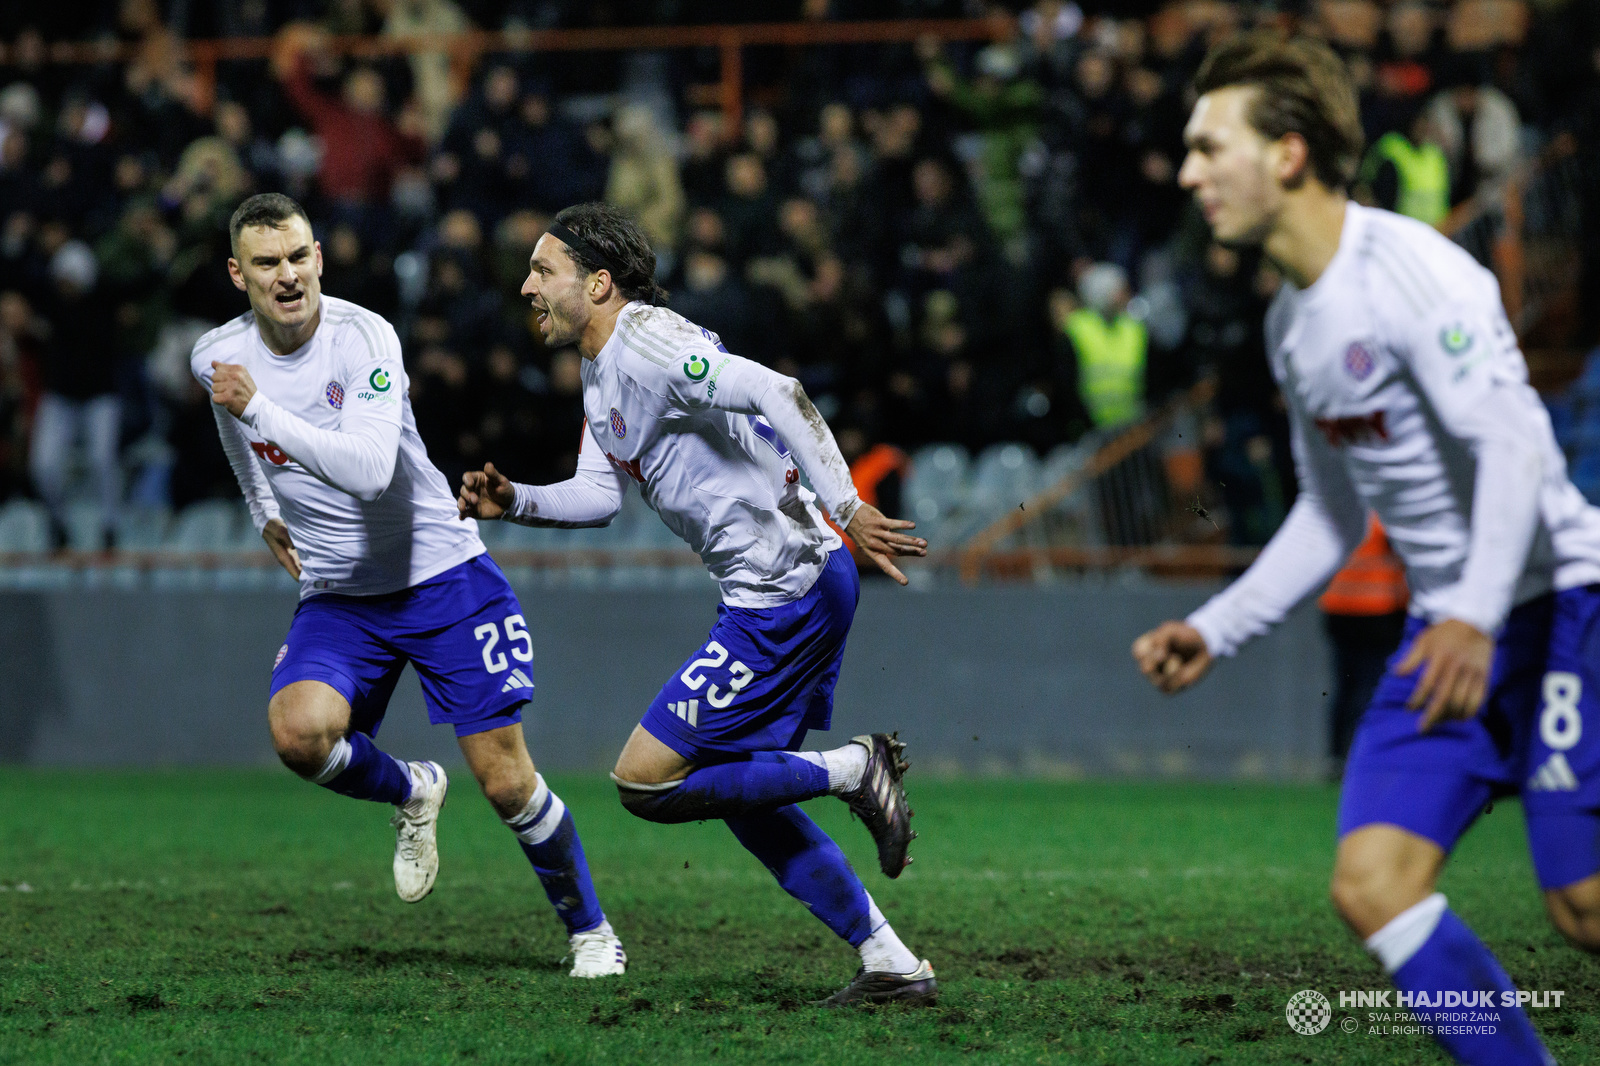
[1577, 918]
[635, 802]
[1360, 894]
[302, 750]
[653, 805]
[507, 794]
[303, 754]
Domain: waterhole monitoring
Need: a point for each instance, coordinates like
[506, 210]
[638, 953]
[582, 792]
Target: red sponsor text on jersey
[1356, 429]
[270, 452]
[631, 466]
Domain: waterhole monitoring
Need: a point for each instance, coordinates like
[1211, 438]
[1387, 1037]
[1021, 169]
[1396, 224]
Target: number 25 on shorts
[716, 655]
[516, 631]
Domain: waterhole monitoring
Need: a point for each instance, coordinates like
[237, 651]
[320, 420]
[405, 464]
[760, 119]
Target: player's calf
[743, 783]
[549, 838]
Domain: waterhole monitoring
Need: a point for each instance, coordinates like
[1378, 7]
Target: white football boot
[597, 953]
[416, 849]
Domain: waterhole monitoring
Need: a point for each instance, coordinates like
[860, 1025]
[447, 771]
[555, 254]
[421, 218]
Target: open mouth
[290, 301]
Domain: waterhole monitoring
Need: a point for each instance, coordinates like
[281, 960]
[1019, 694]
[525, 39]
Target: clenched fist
[231, 387]
[1173, 656]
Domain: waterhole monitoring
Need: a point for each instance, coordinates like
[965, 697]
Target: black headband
[578, 244]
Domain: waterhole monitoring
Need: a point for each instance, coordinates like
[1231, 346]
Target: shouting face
[558, 289]
[1231, 168]
[280, 269]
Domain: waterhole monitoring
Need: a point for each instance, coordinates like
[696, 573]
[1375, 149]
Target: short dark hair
[263, 209]
[618, 239]
[1303, 87]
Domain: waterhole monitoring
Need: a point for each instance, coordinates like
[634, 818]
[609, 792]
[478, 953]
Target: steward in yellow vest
[1421, 171]
[1111, 365]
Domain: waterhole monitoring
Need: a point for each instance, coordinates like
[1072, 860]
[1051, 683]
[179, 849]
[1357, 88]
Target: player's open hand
[1173, 656]
[231, 387]
[878, 535]
[276, 534]
[1456, 678]
[485, 493]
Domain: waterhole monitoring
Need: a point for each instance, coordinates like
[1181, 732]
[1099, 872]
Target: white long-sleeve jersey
[1408, 396]
[328, 443]
[712, 440]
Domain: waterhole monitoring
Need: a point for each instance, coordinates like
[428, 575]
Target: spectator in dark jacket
[80, 397]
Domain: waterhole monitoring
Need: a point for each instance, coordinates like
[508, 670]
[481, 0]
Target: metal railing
[1131, 507]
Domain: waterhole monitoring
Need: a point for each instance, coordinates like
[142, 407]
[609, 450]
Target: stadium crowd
[966, 243]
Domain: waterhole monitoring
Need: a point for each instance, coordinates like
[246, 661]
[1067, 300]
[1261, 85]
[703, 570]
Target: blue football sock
[809, 866]
[1453, 959]
[758, 781]
[549, 838]
[356, 768]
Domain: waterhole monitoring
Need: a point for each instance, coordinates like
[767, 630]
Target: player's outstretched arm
[276, 534]
[1173, 656]
[591, 497]
[485, 494]
[879, 536]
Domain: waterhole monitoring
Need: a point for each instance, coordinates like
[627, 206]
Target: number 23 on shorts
[715, 655]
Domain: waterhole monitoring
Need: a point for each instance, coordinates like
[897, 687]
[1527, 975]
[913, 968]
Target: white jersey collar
[614, 343]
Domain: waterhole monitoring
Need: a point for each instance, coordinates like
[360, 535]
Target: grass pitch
[248, 917]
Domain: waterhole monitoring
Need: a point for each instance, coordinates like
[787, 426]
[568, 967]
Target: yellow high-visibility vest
[1111, 365]
[1423, 172]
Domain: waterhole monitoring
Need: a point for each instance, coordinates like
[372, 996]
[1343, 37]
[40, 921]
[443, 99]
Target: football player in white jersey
[310, 397]
[1408, 397]
[716, 444]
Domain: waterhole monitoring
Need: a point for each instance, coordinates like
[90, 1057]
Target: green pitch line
[233, 918]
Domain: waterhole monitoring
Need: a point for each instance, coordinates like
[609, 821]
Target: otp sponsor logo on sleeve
[379, 382]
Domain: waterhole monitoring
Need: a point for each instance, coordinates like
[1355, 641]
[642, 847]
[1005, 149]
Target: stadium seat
[24, 527]
[1004, 476]
[937, 484]
[85, 531]
[207, 526]
[141, 527]
[1065, 459]
[1076, 519]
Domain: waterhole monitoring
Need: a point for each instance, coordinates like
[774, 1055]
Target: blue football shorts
[763, 677]
[462, 630]
[1538, 736]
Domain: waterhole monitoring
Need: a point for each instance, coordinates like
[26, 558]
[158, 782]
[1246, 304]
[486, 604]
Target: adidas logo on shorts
[688, 710]
[1554, 776]
[517, 680]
